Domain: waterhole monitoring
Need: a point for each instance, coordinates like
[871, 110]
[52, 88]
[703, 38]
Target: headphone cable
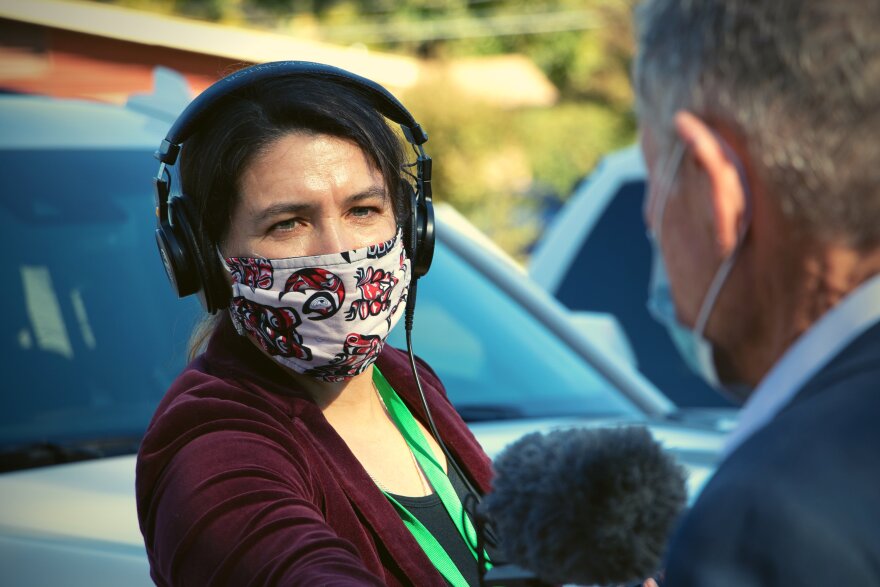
[408, 323]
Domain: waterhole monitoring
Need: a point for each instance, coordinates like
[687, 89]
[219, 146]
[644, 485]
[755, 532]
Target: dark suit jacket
[798, 503]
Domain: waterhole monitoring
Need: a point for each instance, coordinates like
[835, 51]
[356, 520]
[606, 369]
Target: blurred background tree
[505, 169]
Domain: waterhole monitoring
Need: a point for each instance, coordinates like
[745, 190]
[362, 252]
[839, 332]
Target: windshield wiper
[489, 412]
[44, 453]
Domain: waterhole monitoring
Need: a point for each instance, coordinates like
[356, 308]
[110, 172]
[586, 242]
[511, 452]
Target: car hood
[80, 517]
[38, 501]
[695, 446]
[84, 513]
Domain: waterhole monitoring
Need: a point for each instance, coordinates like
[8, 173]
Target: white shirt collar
[814, 349]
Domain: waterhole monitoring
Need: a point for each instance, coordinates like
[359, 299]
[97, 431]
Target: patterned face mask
[325, 316]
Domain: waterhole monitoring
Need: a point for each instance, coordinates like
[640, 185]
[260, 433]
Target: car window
[495, 358]
[610, 274]
[89, 314]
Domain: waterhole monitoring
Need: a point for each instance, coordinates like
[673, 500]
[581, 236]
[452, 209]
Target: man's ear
[712, 156]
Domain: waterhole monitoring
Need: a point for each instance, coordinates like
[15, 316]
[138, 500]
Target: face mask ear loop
[727, 265]
[668, 177]
[236, 322]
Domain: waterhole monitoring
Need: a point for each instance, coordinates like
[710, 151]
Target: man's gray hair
[798, 79]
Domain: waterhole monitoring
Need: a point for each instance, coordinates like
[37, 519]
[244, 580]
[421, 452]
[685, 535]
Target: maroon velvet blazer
[241, 480]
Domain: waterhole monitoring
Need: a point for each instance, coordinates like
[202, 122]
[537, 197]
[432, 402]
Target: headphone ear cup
[407, 219]
[420, 232]
[200, 273]
[176, 261]
[425, 239]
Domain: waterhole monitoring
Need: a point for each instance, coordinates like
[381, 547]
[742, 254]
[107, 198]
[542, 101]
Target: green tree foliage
[489, 161]
[492, 163]
[481, 165]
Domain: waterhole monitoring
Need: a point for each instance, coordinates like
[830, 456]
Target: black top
[430, 512]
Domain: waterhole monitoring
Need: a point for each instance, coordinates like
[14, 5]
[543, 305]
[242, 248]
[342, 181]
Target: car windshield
[93, 335]
[495, 358]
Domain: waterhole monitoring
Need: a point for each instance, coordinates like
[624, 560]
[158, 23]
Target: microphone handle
[510, 575]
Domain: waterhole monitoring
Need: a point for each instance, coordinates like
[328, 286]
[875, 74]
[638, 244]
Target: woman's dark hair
[239, 127]
[243, 124]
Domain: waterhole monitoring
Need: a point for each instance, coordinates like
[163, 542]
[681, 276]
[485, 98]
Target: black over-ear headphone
[194, 270]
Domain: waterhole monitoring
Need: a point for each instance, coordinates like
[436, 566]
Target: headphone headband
[380, 98]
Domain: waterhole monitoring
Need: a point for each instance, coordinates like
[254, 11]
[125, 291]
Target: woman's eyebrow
[371, 192]
[282, 208]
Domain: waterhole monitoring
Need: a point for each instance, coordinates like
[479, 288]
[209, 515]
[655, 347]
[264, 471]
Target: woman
[293, 449]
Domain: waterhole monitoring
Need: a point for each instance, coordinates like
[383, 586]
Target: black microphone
[584, 506]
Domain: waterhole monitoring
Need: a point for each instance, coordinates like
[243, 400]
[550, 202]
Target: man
[760, 125]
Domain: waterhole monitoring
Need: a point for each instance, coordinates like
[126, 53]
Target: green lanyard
[438, 479]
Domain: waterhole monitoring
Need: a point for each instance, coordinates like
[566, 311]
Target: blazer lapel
[860, 356]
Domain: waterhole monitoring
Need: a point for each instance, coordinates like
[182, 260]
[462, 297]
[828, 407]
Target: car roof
[42, 122]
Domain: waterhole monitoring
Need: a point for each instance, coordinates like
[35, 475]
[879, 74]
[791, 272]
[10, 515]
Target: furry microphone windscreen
[586, 506]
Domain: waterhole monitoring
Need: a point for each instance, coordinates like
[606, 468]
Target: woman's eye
[284, 225]
[363, 212]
